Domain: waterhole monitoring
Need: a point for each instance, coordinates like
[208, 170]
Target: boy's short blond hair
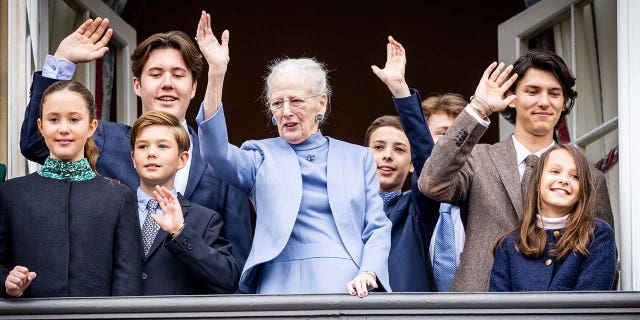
[161, 118]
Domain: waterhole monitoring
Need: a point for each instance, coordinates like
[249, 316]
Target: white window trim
[629, 131]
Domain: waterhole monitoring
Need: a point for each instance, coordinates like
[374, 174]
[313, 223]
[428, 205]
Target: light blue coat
[268, 171]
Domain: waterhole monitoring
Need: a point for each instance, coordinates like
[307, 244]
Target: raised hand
[393, 73]
[216, 53]
[87, 43]
[493, 86]
[18, 280]
[172, 217]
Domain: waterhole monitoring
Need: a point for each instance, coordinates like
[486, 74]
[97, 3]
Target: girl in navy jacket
[559, 245]
[65, 231]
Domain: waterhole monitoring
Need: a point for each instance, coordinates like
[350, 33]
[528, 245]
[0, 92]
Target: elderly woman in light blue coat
[320, 225]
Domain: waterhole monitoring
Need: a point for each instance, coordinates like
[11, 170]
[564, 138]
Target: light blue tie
[444, 251]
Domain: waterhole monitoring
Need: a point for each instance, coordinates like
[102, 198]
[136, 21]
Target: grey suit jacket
[484, 181]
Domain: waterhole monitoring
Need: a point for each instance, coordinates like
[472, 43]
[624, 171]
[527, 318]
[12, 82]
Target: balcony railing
[550, 305]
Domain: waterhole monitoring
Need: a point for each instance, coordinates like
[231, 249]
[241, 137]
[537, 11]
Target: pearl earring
[319, 117]
[273, 121]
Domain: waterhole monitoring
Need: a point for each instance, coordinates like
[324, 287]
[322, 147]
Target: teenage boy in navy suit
[183, 251]
[400, 146]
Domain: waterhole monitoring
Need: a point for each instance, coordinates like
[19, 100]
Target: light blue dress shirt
[59, 69]
[143, 198]
[458, 231]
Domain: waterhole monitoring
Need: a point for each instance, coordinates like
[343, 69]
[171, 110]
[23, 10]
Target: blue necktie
[444, 251]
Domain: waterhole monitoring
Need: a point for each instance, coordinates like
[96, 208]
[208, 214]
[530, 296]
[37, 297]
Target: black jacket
[81, 238]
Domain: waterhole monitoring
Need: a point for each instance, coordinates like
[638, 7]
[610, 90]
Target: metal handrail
[601, 305]
[596, 133]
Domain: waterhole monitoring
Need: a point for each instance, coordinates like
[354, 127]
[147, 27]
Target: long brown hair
[90, 149]
[531, 240]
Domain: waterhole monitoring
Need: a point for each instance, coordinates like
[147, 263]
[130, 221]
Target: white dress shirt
[522, 153]
[182, 176]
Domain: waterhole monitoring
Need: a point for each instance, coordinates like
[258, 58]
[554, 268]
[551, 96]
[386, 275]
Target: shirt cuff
[475, 115]
[58, 69]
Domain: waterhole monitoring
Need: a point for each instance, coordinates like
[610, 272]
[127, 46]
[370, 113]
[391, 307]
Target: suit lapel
[197, 165]
[337, 191]
[157, 242]
[335, 188]
[394, 209]
[504, 158]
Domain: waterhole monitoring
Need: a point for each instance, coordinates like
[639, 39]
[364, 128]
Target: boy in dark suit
[183, 252]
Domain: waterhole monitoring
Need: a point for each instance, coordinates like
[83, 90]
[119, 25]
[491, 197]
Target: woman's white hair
[316, 71]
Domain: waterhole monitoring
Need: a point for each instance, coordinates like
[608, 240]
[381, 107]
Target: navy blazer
[197, 261]
[112, 140]
[413, 215]
[82, 238]
[512, 271]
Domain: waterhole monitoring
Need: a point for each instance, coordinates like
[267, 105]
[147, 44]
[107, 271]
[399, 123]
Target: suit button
[556, 234]
[189, 246]
[185, 242]
[144, 276]
[548, 262]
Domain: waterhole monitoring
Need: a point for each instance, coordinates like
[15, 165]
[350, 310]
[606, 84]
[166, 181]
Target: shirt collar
[314, 141]
[388, 196]
[522, 152]
[551, 223]
[143, 198]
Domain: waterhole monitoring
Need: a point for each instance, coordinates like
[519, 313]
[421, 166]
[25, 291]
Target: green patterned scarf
[74, 171]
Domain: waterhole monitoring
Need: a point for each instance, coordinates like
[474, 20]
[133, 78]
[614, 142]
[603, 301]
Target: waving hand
[393, 73]
[87, 43]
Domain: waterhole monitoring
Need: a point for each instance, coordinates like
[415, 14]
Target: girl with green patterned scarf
[65, 231]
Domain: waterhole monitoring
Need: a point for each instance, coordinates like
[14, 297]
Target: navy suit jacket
[197, 261]
[413, 215]
[112, 140]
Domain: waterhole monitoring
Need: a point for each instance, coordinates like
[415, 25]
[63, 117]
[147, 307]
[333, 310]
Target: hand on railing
[362, 283]
[18, 280]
